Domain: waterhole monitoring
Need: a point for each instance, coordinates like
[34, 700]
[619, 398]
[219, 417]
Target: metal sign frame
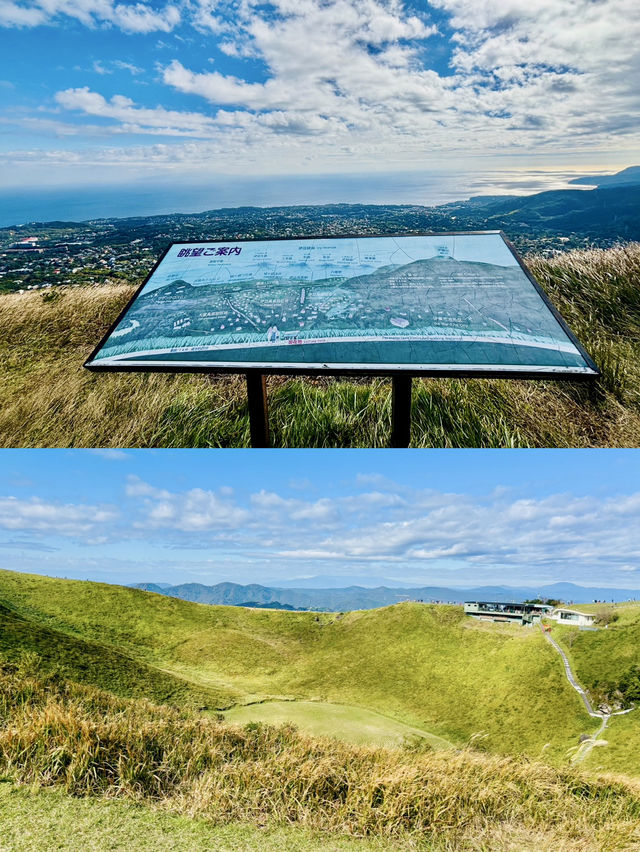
[402, 374]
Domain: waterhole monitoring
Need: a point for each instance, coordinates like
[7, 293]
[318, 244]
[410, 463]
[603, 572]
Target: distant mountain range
[359, 597]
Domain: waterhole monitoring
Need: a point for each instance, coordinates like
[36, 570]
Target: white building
[573, 617]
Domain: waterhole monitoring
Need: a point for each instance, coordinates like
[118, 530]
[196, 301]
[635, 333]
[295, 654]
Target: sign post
[258, 409]
[401, 411]
[457, 304]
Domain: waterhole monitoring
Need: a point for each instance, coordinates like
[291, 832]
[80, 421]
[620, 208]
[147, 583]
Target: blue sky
[103, 92]
[449, 517]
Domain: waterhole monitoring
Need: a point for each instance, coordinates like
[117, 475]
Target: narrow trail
[571, 678]
[587, 745]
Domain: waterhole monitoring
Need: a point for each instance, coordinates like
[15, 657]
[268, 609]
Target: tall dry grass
[47, 399]
[89, 743]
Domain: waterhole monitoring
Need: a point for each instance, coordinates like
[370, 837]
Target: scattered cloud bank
[317, 83]
[411, 532]
[130, 118]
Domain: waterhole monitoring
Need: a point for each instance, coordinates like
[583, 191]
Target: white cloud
[344, 65]
[567, 64]
[55, 518]
[354, 80]
[283, 511]
[111, 455]
[105, 67]
[526, 74]
[140, 18]
[193, 511]
[131, 18]
[425, 532]
[135, 487]
[17, 15]
[559, 532]
[128, 66]
[302, 483]
[133, 118]
[423, 527]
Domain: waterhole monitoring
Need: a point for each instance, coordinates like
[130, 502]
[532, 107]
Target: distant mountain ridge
[360, 597]
[627, 177]
[611, 211]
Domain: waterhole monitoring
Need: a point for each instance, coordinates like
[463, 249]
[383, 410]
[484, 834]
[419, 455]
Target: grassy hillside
[49, 400]
[87, 743]
[601, 656]
[599, 659]
[428, 667]
[93, 663]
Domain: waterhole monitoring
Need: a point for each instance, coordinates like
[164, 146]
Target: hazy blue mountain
[627, 177]
[274, 605]
[158, 588]
[336, 581]
[359, 597]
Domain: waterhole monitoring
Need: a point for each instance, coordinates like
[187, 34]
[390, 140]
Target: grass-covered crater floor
[48, 399]
[344, 721]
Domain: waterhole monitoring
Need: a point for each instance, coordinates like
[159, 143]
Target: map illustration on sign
[422, 303]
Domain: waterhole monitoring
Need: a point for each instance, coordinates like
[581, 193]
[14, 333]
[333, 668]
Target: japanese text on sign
[216, 251]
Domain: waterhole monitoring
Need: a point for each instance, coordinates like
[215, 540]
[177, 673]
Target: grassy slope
[603, 655]
[42, 820]
[93, 663]
[426, 666]
[49, 400]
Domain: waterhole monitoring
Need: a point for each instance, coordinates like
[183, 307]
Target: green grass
[47, 399]
[168, 775]
[626, 612]
[93, 663]
[429, 667]
[602, 656]
[43, 820]
[620, 755]
[348, 723]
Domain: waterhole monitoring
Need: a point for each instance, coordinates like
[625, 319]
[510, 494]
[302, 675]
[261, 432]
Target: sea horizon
[164, 197]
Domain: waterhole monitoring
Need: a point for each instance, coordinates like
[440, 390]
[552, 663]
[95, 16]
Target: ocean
[149, 198]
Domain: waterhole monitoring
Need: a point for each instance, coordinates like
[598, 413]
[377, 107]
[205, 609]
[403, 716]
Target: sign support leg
[401, 411]
[258, 409]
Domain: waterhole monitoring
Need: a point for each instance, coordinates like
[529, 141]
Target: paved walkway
[571, 678]
[585, 747]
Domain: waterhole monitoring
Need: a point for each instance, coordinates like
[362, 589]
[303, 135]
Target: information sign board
[443, 304]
